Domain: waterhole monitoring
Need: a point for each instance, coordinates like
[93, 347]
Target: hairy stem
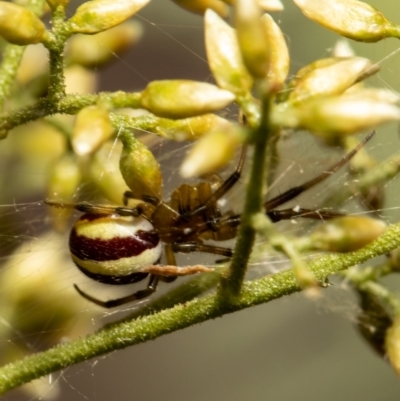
[125, 334]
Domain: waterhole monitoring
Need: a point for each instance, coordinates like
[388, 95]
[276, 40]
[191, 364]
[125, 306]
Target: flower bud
[92, 128]
[350, 18]
[105, 174]
[19, 25]
[92, 51]
[79, 80]
[392, 342]
[139, 168]
[279, 62]
[34, 63]
[200, 6]
[224, 56]
[181, 98]
[252, 37]
[347, 233]
[372, 94]
[98, 15]
[64, 179]
[336, 116]
[188, 129]
[329, 80]
[40, 279]
[212, 151]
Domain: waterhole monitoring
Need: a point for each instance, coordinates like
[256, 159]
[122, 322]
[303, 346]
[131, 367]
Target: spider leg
[97, 209]
[287, 214]
[188, 247]
[112, 303]
[296, 191]
[225, 186]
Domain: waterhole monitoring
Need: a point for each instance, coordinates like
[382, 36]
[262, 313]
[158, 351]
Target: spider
[113, 245]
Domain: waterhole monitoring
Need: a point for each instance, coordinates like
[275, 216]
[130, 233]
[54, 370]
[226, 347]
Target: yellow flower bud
[212, 151]
[181, 98]
[38, 273]
[347, 233]
[19, 25]
[350, 18]
[189, 128]
[79, 80]
[35, 62]
[279, 62]
[392, 342]
[200, 6]
[252, 37]
[104, 172]
[224, 56]
[373, 94]
[92, 51]
[98, 15]
[139, 168]
[329, 80]
[335, 116]
[92, 128]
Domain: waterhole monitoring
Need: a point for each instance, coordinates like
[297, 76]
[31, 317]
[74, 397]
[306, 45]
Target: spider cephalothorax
[114, 245]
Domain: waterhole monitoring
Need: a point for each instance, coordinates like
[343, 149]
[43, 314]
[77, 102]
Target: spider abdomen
[114, 249]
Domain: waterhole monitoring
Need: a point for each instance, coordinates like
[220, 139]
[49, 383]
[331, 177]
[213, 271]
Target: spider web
[261, 349]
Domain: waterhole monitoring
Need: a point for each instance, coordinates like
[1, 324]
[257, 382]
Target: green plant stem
[69, 104]
[146, 328]
[231, 282]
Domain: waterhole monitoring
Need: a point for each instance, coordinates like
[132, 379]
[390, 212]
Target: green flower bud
[19, 25]
[392, 343]
[181, 98]
[224, 56]
[279, 62]
[188, 129]
[92, 51]
[200, 6]
[252, 37]
[329, 80]
[350, 18]
[64, 179]
[98, 15]
[139, 168]
[347, 233]
[92, 128]
[212, 151]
